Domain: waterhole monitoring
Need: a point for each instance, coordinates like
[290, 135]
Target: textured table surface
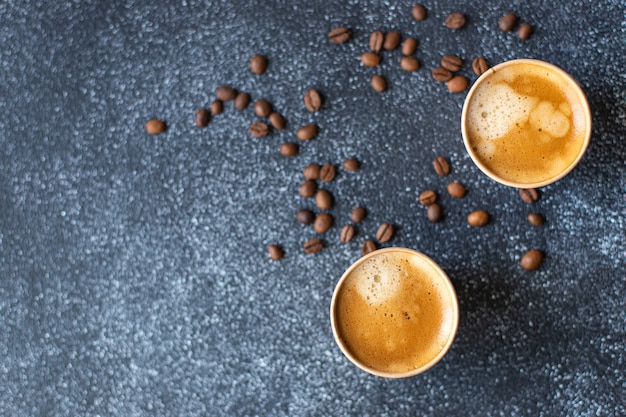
[134, 277]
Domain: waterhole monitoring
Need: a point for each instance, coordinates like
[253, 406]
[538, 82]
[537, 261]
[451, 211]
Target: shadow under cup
[526, 123]
[394, 313]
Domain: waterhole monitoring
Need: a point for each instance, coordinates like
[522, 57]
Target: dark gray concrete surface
[134, 278]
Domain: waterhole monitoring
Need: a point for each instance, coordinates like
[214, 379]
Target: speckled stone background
[134, 277]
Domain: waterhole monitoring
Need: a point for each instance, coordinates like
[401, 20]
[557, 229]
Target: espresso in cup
[394, 313]
[526, 123]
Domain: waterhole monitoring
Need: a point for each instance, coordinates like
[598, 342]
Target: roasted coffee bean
[409, 46]
[478, 218]
[531, 259]
[313, 245]
[312, 171]
[358, 214]
[225, 93]
[441, 74]
[479, 65]
[305, 216]
[351, 164]
[384, 232]
[370, 59]
[377, 38]
[307, 132]
[327, 172]
[324, 200]
[289, 149]
[339, 35]
[451, 62]
[419, 12]
[409, 64]
[217, 107]
[308, 188]
[323, 222]
[508, 22]
[441, 165]
[258, 64]
[379, 84]
[259, 129]
[347, 233]
[392, 40]
[262, 108]
[456, 189]
[275, 252]
[536, 219]
[312, 100]
[277, 120]
[155, 126]
[434, 213]
[427, 197]
[457, 84]
[524, 31]
[242, 100]
[529, 195]
[455, 21]
[202, 118]
[368, 246]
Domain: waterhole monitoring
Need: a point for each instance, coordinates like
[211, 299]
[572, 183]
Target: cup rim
[579, 93]
[443, 278]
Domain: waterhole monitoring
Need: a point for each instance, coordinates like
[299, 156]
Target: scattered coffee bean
[441, 165]
[323, 222]
[327, 172]
[529, 195]
[289, 149]
[441, 74]
[202, 118]
[324, 200]
[536, 219]
[155, 126]
[308, 188]
[457, 84]
[305, 216]
[307, 132]
[384, 232]
[377, 38]
[312, 101]
[419, 12]
[409, 46]
[409, 64]
[370, 59]
[259, 129]
[524, 31]
[225, 93]
[242, 100]
[275, 252]
[339, 35]
[277, 120]
[358, 214]
[392, 40]
[368, 246]
[434, 213]
[379, 84]
[456, 189]
[313, 245]
[312, 171]
[508, 22]
[347, 233]
[217, 107]
[427, 197]
[479, 65]
[451, 62]
[351, 164]
[455, 21]
[262, 108]
[258, 64]
[478, 218]
[531, 259]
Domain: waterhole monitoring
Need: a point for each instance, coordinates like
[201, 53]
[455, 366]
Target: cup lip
[579, 93]
[455, 305]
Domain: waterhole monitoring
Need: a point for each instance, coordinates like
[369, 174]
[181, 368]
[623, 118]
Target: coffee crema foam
[525, 124]
[394, 313]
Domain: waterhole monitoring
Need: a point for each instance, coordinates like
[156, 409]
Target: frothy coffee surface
[395, 313]
[525, 123]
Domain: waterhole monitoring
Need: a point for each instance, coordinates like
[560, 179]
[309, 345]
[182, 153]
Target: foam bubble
[375, 284]
[546, 118]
